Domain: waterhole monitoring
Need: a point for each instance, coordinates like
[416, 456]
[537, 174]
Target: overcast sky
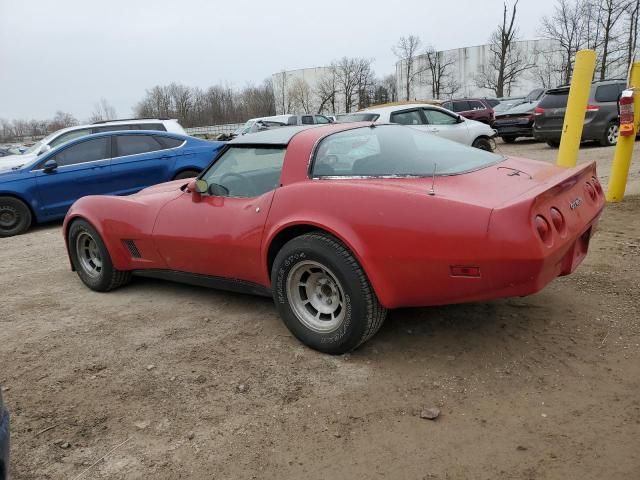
[67, 54]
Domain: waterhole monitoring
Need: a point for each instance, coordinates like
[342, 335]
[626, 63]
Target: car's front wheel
[509, 139]
[483, 143]
[91, 259]
[323, 295]
[15, 217]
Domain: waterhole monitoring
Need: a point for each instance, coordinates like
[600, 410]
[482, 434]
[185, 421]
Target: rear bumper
[4, 445]
[513, 130]
[590, 131]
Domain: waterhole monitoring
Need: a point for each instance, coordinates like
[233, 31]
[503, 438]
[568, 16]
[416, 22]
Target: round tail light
[558, 221]
[544, 229]
[590, 190]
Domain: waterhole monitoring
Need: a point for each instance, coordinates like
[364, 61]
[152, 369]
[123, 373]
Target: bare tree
[348, 79]
[326, 91]
[440, 78]
[612, 12]
[181, 102]
[390, 84]
[102, 110]
[281, 89]
[301, 96]
[407, 50]
[62, 120]
[632, 11]
[548, 70]
[507, 61]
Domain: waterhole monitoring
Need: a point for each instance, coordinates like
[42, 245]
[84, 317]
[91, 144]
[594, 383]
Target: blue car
[4, 441]
[111, 163]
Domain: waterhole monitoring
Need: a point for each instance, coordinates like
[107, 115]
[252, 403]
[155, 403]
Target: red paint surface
[406, 240]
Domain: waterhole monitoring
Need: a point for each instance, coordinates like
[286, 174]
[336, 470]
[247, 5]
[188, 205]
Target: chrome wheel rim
[89, 255]
[612, 134]
[9, 217]
[316, 296]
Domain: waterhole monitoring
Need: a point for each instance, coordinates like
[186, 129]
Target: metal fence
[214, 129]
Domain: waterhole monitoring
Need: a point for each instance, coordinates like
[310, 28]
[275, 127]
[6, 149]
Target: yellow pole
[624, 148]
[576, 108]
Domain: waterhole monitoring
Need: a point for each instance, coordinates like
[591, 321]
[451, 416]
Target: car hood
[13, 162]
[162, 187]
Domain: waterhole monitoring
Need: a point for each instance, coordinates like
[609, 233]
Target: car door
[446, 125]
[139, 160]
[82, 169]
[412, 117]
[219, 233]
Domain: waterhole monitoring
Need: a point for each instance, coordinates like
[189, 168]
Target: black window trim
[114, 145]
[40, 165]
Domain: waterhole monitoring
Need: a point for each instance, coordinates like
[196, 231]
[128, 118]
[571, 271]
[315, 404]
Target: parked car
[516, 122]
[340, 223]
[114, 163]
[439, 121]
[478, 109]
[252, 125]
[4, 440]
[601, 119]
[65, 134]
[507, 104]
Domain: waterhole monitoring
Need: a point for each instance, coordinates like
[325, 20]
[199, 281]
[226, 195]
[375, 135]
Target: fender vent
[133, 248]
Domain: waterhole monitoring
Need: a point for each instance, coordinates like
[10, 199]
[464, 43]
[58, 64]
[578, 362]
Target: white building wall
[312, 77]
[468, 64]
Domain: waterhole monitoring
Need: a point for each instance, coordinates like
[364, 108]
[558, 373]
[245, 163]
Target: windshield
[245, 128]
[390, 150]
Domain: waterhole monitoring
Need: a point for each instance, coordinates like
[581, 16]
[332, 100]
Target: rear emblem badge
[576, 203]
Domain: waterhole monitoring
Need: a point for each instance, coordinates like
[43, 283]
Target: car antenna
[432, 192]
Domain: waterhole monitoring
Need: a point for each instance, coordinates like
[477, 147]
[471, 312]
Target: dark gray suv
[601, 119]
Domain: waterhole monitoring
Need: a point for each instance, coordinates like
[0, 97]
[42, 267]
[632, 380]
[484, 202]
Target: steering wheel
[242, 178]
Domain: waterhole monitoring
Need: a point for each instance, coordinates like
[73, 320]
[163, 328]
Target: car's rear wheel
[323, 295]
[553, 143]
[91, 259]
[483, 144]
[610, 135]
[186, 174]
[509, 139]
[15, 217]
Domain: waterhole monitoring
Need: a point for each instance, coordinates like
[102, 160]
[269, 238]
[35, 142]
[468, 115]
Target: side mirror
[198, 186]
[50, 166]
[460, 119]
[45, 148]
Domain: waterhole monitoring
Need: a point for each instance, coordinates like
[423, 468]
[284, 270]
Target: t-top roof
[274, 136]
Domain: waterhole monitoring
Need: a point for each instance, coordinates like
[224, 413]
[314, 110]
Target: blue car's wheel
[15, 217]
[91, 259]
[186, 174]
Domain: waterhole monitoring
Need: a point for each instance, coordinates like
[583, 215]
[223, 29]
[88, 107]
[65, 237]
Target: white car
[436, 120]
[65, 134]
[256, 124]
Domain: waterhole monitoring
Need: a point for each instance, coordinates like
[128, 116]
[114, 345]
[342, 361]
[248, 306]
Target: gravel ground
[169, 381]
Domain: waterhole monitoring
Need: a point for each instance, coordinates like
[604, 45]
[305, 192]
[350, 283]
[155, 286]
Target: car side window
[607, 93]
[168, 142]
[436, 117]
[410, 117]
[475, 105]
[83, 152]
[461, 106]
[307, 120]
[65, 137]
[322, 119]
[136, 144]
[245, 171]
[448, 105]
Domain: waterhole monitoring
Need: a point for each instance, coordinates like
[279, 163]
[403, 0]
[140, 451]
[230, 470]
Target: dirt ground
[169, 381]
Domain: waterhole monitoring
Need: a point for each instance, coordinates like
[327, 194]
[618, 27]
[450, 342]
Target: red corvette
[340, 223]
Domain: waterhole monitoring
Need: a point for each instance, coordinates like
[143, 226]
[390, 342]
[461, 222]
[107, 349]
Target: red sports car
[340, 223]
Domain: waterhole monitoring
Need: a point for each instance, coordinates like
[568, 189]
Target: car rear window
[555, 99]
[608, 93]
[392, 150]
[357, 117]
[168, 142]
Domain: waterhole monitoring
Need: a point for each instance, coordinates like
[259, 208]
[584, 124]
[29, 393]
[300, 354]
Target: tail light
[590, 190]
[544, 229]
[596, 185]
[558, 221]
[592, 108]
[538, 111]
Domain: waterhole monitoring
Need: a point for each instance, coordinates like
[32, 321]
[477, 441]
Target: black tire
[610, 135]
[362, 315]
[107, 278]
[15, 217]
[483, 144]
[509, 139]
[553, 143]
[186, 174]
